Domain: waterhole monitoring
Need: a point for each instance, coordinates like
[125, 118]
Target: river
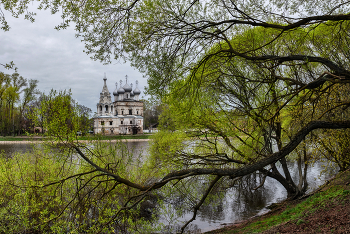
[237, 203]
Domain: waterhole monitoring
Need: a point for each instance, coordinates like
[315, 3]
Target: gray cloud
[57, 60]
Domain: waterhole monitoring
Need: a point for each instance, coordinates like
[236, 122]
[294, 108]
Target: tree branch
[199, 204]
[233, 173]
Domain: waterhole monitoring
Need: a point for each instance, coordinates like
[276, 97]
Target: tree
[85, 121]
[298, 48]
[35, 117]
[4, 83]
[60, 115]
[29, 95]
[334, 145]
[11, 88]
[151, 113]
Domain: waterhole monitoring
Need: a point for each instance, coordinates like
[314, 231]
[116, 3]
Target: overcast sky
[56, 59]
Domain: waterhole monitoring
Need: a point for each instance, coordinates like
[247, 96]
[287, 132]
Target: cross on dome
[136, 90]
[127, 87]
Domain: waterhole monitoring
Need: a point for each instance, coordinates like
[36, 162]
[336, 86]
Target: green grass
[296, 213]
[117, 137]
[11, 138]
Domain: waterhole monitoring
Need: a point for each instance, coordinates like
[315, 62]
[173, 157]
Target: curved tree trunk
[293, 190]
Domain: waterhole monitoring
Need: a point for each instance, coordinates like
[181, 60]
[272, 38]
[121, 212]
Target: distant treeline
[18, 99]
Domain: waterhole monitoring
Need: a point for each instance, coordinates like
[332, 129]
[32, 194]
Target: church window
[137, 112]
[121, 122]
[122, 112]
[130, 112]
[130, 121]
[100, 108]
[102, 122]
[106, 108]
[110, 122]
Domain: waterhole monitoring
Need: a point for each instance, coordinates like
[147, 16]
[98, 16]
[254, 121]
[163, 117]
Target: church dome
[127, 87]
[121, 90]
[137, 91]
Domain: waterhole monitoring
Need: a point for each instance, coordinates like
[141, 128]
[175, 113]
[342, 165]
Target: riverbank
[40, 139]
[326, 210]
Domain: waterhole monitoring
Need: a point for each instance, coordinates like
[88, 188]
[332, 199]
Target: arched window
[100, 108]
[106, 108]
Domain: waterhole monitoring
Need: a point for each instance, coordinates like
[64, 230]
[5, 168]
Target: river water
[236, 204]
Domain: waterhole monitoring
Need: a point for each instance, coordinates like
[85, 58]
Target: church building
[124, 115]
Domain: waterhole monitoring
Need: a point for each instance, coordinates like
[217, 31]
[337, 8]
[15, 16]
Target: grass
[296, 213]
[11, 138]
[116, 137]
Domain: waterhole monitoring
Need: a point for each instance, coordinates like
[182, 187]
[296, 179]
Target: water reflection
[231, 202]
[138, 147]
[250, 199]
[10, 149]
[241, 201]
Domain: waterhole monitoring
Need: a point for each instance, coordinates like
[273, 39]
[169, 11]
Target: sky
[56, 59]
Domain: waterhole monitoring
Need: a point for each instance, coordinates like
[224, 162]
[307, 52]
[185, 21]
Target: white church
[124, 115]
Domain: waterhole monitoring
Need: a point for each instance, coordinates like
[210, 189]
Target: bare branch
[199, 204]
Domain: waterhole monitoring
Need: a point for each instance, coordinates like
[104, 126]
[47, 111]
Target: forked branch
[199, 204]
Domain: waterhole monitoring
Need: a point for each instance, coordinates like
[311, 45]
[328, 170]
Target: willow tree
[302, 54]
[11, 88]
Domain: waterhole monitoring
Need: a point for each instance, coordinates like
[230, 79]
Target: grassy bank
[325, 211]
[20, 138]
[116, 137]
[40, 138]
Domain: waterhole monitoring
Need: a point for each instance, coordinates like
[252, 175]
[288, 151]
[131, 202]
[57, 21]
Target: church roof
[121, 90]
[136, 90]
[115, 92]
[127, 87]
[105, 95]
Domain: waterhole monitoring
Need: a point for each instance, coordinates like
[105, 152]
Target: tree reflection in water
[250, 199]
[238, 196]
[230, 200]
